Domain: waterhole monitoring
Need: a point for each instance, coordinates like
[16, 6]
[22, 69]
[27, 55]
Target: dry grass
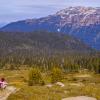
[74, 86]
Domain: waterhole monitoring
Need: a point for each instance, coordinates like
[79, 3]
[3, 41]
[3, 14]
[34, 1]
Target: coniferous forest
[46, 50]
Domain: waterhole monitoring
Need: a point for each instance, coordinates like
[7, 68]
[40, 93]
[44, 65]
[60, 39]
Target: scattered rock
[80, 98]
[60, 84]
[49, 85]
[77, 84]
[83, 76]
[6, 92]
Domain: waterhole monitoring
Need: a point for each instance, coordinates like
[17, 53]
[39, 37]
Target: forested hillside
[46, 50]
[41, 41]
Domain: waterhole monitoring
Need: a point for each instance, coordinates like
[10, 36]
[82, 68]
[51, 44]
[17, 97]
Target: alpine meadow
[50, 50]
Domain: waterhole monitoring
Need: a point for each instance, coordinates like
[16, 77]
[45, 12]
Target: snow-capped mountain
[81, 22]
[79, 16]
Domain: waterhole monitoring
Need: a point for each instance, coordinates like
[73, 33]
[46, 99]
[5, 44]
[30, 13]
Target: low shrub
[35, 77]
[56, 75]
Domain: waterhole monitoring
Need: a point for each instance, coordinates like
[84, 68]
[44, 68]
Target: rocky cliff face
[79, 16]
[81, 22]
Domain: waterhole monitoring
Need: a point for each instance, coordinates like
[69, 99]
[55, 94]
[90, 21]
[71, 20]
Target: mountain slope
[39, 42]
[81, 22]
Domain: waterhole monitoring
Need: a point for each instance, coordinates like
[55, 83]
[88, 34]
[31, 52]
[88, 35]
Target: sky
[13, 10]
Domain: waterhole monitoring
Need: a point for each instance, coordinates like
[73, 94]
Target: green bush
[35, 77]
[56, 75]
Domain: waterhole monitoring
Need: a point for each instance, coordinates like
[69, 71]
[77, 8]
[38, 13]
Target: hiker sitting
[3, 83]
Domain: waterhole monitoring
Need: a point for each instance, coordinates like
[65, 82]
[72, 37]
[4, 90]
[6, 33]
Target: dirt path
[5, 93]
[80, 98]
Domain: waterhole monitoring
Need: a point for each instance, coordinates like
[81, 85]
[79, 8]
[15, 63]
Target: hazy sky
[12, 10]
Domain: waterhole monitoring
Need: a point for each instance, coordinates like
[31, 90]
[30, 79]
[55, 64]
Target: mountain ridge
[81, 22]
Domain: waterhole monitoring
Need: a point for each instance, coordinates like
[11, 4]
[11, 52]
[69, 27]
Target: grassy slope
[87, 84]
